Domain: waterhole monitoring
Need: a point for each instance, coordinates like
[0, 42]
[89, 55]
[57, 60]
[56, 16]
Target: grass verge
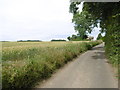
[23, 67]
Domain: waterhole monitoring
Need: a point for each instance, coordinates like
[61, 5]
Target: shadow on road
[99, 53]
[98, 48]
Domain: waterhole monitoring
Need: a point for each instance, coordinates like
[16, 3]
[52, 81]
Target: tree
[57, 40]
[97, 12]
[108, 15]
[74, 36]
[85, 37]
[83, 23]
[77, 37]
[68, 38]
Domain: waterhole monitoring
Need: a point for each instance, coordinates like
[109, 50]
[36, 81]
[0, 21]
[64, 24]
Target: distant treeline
[58, 40]
[4, 41]
[29, 41]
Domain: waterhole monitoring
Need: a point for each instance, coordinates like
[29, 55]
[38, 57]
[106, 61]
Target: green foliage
[29, 41]
[99, 36]
[112, 40]
[42, 61]
[103, 12]
[108, 15]
[83, 23]
[73, 7]
[77, 38]
[57, 40]
[68, 38]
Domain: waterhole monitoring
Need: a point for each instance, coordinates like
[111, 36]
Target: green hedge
[112, 41]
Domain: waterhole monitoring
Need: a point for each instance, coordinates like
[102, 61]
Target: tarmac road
[89, 70]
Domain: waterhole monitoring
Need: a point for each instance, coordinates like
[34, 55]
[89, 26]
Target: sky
[36, 20]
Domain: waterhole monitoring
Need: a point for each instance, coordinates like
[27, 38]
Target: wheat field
[25, 63]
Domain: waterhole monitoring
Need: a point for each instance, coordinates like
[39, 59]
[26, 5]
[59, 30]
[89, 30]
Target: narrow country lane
[89, 70]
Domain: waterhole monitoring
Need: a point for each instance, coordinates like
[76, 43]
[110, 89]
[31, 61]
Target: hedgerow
[112, 41]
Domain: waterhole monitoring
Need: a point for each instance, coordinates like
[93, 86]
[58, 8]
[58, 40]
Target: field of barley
[25, 63]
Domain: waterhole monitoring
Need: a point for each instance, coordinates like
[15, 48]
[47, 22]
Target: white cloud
[35, 19]
[80, 6]
[95, 32]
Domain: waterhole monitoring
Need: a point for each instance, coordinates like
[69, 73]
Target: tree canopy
[105, 13]
[94, 13]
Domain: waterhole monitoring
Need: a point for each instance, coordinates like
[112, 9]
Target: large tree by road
[108, 15]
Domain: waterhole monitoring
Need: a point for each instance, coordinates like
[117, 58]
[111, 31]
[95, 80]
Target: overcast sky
[36, 20]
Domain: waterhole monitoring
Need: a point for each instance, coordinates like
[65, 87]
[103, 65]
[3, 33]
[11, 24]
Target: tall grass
[26, 63]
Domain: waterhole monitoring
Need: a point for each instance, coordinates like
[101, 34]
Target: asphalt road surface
[89, 70]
